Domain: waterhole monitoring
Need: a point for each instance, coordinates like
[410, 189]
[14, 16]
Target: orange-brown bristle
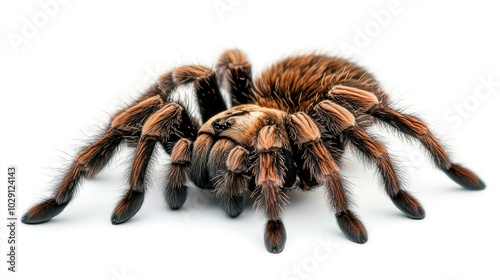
[408, 205]
[275, 236]
[465, 177]
[352, 227]
[43, 212]
[127, 207]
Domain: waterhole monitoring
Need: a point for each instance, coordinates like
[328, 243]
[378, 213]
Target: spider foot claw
[43, 212]
[408, 205]
[465, 177]
[127, 207]
[233, 205]
[176, 197]
[352, 227]
[275, 236]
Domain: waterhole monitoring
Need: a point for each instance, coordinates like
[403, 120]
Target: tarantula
[287, 130]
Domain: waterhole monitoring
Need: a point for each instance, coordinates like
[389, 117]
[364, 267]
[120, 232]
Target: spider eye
[221, 126]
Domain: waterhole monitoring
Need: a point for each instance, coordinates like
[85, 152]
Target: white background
[60, 82]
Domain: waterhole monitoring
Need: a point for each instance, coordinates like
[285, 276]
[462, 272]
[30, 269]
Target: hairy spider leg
[209, 164]
[306, 135]
[175, 190]
[408, 125]
[127, 125]
[235, 75]
[232, 181]
[168, 126]
[337, 120]
[269, 168]
[199, 166]
[93, 158]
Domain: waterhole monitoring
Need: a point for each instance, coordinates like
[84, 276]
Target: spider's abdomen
[297, 83]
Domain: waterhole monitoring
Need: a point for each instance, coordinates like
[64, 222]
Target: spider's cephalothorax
[287, 130]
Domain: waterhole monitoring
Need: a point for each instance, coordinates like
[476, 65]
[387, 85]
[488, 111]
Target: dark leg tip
[115, 220]
[127, 207]
[175, 197]
[275, 236]
[408, 205]
[465, 178]
[352, 227]
[43, 212]
[232, 205]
